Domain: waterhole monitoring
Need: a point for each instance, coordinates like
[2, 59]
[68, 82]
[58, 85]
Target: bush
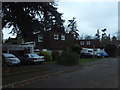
[111, 50]
[77, 48]
[68, 58]
[118, 51]
[47, 56]
[55, 55]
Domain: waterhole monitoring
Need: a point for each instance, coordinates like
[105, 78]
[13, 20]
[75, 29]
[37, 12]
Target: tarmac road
[101, 75]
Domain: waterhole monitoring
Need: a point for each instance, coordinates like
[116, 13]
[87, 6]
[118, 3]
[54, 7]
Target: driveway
[101, 75]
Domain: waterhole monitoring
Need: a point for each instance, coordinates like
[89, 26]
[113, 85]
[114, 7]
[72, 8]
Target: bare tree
[88, 37]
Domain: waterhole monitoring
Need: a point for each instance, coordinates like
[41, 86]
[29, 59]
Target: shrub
[111, 49]
[118, 51]
[68, 58]
[55, 55]
[47, 56]
[77, 48]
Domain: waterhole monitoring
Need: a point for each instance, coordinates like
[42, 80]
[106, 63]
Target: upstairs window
[88, 42]
[62, 37]
[40, 38]
[56, 36]
[81, 42]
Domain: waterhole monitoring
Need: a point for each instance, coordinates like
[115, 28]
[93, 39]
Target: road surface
[101, 75]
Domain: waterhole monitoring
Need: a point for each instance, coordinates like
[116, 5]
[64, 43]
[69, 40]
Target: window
[81, 42]
[88, 42]
[40, 38]
[62, 37]
[56, 37]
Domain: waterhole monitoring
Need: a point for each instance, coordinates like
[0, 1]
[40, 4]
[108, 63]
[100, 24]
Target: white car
[10, 59]
[32, 58]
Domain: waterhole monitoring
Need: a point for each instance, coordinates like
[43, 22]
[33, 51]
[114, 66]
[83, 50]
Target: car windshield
[34, 55]
[102, 52]
[9, 56]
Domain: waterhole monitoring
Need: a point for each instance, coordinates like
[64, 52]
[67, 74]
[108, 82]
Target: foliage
[47, 56]
[114, 38]
[88, 37]
[102, 46]
[72, 28]
[111, 49]
[77, 48]
[25, 16]
[68, 58]
[104, 30]
[55, 55]
[118, 51]
[85, 36]
[97, 35]
[105, 38]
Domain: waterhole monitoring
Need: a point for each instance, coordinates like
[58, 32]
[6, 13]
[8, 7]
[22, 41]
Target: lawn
[17, 70]
[81, 61]
[21, 70]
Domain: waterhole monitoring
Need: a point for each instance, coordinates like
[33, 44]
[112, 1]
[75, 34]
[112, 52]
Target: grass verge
[82, 61]
[21, 70]
[50, 62]
[18, 70]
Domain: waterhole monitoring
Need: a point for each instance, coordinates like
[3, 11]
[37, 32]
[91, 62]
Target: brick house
[52, 40]
[49, 40]
[92, 43]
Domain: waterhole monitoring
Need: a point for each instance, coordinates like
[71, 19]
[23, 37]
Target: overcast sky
[91, 16]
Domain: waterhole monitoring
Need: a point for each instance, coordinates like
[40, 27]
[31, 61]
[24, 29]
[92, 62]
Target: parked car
[10, 59]
[87, 55]
[31, 58]
[101, 54]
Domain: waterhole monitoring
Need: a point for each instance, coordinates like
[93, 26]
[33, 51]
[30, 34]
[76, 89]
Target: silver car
[10, 59]
[32, 58]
